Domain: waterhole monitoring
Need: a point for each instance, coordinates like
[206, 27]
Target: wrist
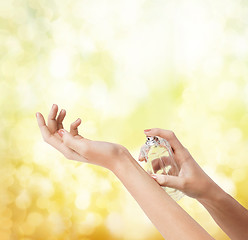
[123, 159]
[214, 194]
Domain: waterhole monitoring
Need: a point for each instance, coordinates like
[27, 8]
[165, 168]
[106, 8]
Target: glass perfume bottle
[158, 159]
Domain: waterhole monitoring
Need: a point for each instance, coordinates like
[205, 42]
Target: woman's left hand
[74, 146]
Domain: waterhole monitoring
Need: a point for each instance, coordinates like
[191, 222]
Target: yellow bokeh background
[121, 66]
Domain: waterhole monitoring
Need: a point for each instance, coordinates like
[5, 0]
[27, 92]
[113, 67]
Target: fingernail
[154, 176]
[37, 114]
[61, 132]
[147, 130]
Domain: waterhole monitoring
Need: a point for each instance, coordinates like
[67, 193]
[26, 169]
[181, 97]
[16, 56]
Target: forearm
[168, 217]
[227, 213]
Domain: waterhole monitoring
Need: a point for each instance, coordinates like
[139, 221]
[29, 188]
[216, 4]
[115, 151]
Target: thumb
[169, 181]
[78, 145]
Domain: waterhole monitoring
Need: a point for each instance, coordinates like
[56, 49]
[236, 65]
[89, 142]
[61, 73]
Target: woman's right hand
[192, 180]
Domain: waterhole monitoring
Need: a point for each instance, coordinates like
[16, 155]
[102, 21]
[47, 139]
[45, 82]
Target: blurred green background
[121, 66]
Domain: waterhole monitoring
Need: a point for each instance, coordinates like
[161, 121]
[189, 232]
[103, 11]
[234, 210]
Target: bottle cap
[151, 140]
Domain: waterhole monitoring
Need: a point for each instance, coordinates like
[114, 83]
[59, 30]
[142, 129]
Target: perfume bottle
[158, 159]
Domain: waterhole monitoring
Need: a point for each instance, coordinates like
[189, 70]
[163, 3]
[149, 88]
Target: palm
[50, 132]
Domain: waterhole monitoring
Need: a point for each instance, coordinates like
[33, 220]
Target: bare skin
[155, 202]
[231, 216]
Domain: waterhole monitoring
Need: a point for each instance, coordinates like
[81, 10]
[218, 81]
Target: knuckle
[186, 154]
[164, 180]
[161, 179]
[171, 134]
[121, 150]
[185, 150]
[157, 130]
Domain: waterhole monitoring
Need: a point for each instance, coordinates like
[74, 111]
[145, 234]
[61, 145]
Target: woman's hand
[75, 147]
[192, 180]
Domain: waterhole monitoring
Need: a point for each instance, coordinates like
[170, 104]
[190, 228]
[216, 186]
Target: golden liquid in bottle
[159, 161]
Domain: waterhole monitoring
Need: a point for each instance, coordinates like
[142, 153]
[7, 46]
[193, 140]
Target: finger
[74, 127]
[156, 165]
[169, 181]
[79, 145]
[143, 151]
[173, 170]
[51, 122]
[166, 134]
[141, 156]
[46, 134]
[160, 164]
[60, 119]
[55, 142]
